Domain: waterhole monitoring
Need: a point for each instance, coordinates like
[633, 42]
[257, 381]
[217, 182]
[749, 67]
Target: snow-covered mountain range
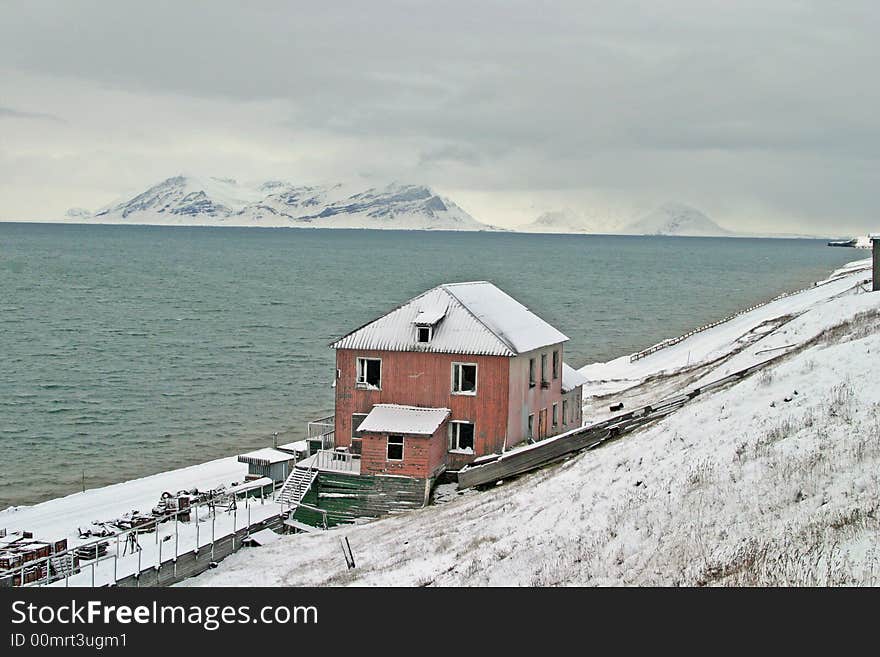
[669, 219]
[189, 200]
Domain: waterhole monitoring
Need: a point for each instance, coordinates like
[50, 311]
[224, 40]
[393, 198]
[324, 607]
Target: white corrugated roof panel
[265, 456]
[479, 319]
[571, 378]
[395, 418]
[431, 312]
[506, 317]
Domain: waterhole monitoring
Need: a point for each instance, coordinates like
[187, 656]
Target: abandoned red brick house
[459, 371]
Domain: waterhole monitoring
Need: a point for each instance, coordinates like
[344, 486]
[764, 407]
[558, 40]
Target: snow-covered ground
[773, 480]
[61, 517]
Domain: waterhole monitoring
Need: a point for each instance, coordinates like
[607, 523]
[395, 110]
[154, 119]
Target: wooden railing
[327, 459]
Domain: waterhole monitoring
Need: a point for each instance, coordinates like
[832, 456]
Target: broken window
[531, 372]
[423, 333]
[555, 414]
[461, 435]
[565, 418]
[395, 448]
[356, 419]
[464, 378]
[556, 364]
[544, 382]
[369, 373]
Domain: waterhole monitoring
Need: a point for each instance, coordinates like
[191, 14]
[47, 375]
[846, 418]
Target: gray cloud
[9, 113]
[764, 113]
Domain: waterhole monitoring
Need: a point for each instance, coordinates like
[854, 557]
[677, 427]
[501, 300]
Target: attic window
[424, 333]
[369, 373]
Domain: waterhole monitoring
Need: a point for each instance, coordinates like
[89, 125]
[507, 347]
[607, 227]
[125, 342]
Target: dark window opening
[462, 435]
[531, 432]
[555, 364]
[395, 448]
[356, 419]
[369, 372]
[423, 333]
[544, 382]
[531, 372]
[464, 378]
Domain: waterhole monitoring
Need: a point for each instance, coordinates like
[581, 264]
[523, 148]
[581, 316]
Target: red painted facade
[499, 410]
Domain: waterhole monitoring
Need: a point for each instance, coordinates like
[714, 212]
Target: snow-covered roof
[571, 378]
[395, 418]
[296, 446]
[431, 314]
[265, 456]
[263, 537]
[479, 319]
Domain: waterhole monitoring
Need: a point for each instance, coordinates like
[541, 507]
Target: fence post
[234, 522]
[213, 518]
[115, 562]
[93, 569]
[197, 529]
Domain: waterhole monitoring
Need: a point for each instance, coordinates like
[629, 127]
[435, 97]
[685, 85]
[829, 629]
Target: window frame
[429, 329]
[355, 434]
[556, 367]
[455, 436]
[469, 393]
[530, 427]
[388, 445]
[532, 382]
[565, 419]
[554, 418]
[545, 382]
[363, 385]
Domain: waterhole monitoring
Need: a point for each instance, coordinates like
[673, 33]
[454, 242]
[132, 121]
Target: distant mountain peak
[676, 218]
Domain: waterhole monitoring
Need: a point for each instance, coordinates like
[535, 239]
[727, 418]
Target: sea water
[129, 350]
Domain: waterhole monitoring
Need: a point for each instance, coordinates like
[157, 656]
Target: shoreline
[77, 508]
[488, 229]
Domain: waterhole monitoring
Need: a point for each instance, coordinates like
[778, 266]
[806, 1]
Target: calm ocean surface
[128, 350]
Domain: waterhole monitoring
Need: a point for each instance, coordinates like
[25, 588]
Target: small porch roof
[265, 456]
[571, 378]
[395, 418]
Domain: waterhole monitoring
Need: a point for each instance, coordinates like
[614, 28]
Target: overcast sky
[765, 115]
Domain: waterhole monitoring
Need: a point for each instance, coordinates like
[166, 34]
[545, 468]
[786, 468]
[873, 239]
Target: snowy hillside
[569, 221]
[774, 480]
[676, 219]
[188, 200]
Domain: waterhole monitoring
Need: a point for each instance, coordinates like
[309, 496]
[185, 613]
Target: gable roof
[479, 319]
